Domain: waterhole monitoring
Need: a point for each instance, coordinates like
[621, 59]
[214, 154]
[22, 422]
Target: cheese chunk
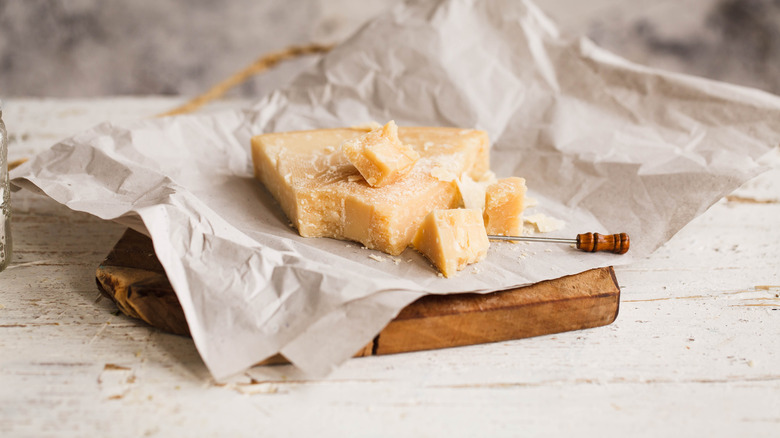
[472, 193]
[379, 155]
[452, 239]
[323, 195]
[543, 223]
[504, 207]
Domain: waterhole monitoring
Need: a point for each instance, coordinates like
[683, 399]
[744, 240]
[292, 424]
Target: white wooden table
[695, 350]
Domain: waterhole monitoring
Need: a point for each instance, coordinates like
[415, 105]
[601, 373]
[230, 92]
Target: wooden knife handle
[592, 242]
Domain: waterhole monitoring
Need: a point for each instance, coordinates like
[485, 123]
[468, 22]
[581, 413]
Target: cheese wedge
[452, 239]
[504, 207]
[324, 195]
[380, 156]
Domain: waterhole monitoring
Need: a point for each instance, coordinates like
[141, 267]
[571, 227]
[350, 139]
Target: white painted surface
[695, 350]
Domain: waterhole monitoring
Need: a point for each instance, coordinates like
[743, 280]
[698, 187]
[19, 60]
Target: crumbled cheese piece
[380, 156]
[376, 257]
[443, 174]
[504, 207]
[452, 239]
[544, 223]
[472, 193]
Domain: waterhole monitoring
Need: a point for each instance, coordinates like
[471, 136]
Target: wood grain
[585, 300]
[133, 278]
[614, 243]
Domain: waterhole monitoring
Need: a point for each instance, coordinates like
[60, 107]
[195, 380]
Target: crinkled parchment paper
[605, 145]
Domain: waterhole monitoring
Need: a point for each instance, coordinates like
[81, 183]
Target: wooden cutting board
[133, 278]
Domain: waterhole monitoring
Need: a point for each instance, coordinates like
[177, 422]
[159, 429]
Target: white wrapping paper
[606, 145]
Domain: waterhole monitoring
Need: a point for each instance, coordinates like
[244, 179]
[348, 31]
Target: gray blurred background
[87, 48]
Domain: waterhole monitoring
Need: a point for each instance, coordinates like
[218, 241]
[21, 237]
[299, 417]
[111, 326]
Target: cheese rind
[379, 155]
[323, 195]
[452, 239]
[504, 207]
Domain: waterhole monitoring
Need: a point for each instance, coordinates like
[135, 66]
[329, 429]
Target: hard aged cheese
[323, 194]
[472, 193]
[380, 156]
[452, 239]
[504, 207]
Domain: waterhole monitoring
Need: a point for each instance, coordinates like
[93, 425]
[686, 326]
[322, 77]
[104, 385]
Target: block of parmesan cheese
[324, 195]
[379, 156]
[504, 207]
[452, 239]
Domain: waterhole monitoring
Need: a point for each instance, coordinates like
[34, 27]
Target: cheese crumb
[376, 257]
[472, 192]
[544, 223]
[380, 156]
[443, 174]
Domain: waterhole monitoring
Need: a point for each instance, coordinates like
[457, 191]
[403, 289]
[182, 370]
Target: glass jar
[5, 198]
